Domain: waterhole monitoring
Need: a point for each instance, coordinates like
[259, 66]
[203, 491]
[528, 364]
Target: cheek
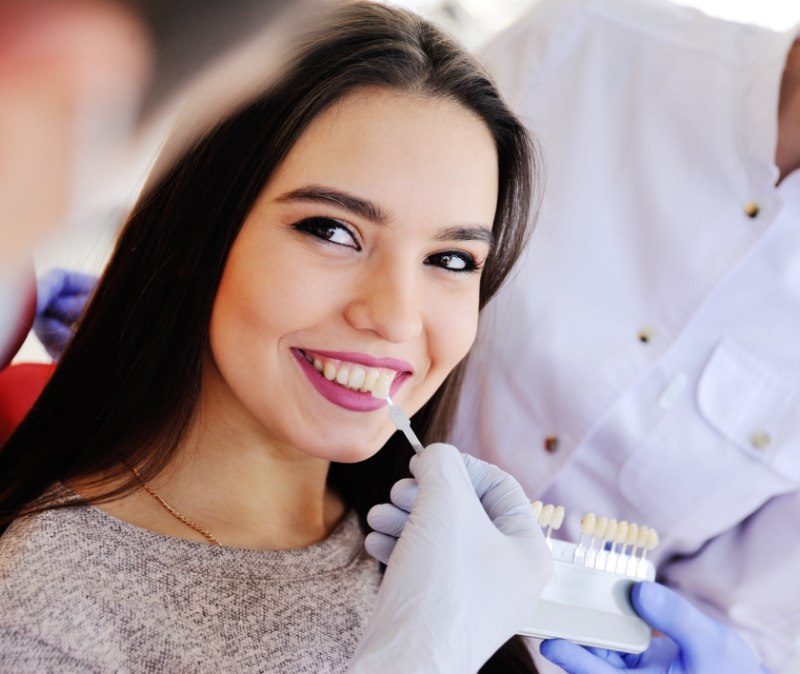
[264, 297]
[451, 332]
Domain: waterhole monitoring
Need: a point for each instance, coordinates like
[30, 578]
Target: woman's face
[363, 256]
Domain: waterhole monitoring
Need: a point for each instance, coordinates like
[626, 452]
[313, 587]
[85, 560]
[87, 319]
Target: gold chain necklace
[172, 511]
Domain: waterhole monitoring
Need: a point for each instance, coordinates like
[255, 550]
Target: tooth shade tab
[633, 534]
[652, 539]
[611, 530]
[546, 515]
[558, 518]
[641, 541]
[587, 524]
[622, 532]
[600, 526]
[382, 385]
[537, 506]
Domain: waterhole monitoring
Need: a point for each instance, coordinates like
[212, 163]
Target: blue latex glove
[60, 298]
[694, 643]
[465, 567]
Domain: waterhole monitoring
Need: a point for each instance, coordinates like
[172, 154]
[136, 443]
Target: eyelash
[317, 225]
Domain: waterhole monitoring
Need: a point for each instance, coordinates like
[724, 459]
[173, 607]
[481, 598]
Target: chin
[347, 450]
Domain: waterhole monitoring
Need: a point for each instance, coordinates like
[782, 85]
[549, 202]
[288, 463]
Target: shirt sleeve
[21, 653]
[747, 578]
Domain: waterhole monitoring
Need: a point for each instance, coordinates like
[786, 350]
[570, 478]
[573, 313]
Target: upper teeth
[374, 380]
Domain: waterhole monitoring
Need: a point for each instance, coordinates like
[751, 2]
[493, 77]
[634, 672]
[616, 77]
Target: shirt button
[752, 209]
[645, 335]
[551, 443]
[760, 440]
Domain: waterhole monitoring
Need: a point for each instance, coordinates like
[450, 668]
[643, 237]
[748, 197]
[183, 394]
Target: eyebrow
[371, 211]
[362, 207]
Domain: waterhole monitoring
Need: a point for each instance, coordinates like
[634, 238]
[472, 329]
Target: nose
[387, 303]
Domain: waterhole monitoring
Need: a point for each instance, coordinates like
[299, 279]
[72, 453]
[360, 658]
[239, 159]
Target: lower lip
[354, 401]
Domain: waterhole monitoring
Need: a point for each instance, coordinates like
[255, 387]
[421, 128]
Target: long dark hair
[126, 389]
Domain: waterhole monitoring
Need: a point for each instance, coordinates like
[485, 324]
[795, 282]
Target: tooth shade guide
[536, 507]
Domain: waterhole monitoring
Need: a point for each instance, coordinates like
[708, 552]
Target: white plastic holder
[590, 606]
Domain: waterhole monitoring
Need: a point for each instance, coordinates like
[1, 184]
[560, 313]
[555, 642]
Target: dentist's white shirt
[644, 363]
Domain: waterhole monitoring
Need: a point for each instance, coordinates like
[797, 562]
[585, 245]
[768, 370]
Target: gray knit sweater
[81, 591]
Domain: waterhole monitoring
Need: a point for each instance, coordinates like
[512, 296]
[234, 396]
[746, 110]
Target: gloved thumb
[439, 463]
[668, 612]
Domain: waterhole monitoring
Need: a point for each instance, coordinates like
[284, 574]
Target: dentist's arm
[465, 566]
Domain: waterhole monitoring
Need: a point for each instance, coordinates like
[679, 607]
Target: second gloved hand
[694, 643]
[467, 565]
[61, 297]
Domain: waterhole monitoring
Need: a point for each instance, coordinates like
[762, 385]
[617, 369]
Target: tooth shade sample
[546, 515]
[382, 385]
[600, 526]
[558, 518]
[537, 506]
[587, 524]
[370, 379]
[633, 534]
[611, 530]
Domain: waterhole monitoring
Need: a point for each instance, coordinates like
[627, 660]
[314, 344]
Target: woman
[347, 226]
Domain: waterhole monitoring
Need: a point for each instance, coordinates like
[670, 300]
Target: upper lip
[365, 359]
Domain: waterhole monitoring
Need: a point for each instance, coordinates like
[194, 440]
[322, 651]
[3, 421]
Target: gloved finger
[380, 546]
[388, 519]
[502, 498]
[57, 282]
[574, 659]
[440, 463]
[67, 309]
[404, 492]
[53, 335]
[613, 658]
[668, 612]
[78, 283]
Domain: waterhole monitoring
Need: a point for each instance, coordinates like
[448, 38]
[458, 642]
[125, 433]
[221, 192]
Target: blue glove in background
[60, 298]
[694, 643]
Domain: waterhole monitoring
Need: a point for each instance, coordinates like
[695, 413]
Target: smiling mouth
[352, 385]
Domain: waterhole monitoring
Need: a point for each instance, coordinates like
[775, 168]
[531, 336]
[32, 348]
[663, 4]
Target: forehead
[417, 157]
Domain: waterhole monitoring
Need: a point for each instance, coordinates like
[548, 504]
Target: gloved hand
[465, 572]
[60, 298]
[694, 643]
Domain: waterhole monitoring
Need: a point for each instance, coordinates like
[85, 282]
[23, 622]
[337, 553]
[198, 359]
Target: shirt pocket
[715, 459]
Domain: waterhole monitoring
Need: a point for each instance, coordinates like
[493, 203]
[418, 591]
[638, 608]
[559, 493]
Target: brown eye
[455, 261]
[328, 229]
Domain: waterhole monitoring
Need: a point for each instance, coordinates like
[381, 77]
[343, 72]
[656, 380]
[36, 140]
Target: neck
[233, 480]
[788, 150]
